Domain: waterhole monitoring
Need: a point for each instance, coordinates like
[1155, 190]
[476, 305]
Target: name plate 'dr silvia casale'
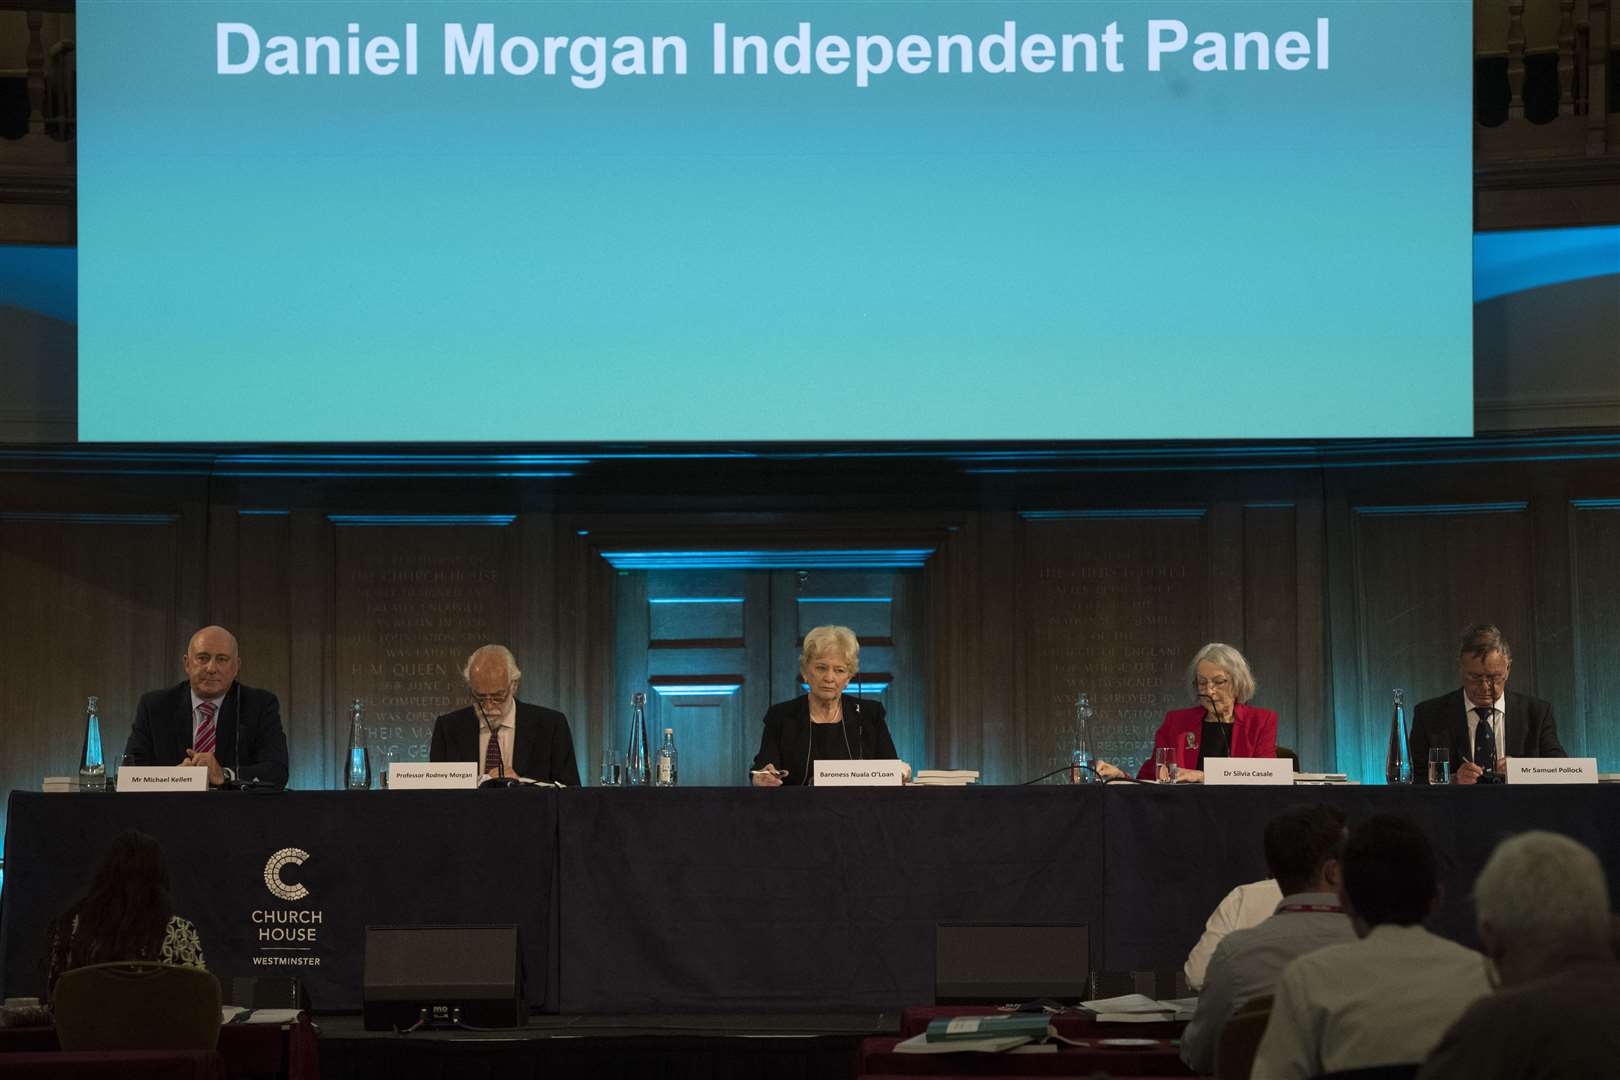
[1552, 770]
[883, 772]
[1248, 770]
[433, 775]
[163, 778]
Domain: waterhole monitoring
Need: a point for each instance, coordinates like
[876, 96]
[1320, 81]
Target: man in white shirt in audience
[1387, 998]
[1543, 915]
[1302, 853]
[1243, 907]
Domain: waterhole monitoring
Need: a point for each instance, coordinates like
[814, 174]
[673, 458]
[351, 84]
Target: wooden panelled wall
[1339, 583]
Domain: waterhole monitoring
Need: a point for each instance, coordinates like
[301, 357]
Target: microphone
[501, 779]
[860, 725]
[236, 735]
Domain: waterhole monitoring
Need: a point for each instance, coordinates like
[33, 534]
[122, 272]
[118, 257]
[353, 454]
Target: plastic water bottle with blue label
[664, 771]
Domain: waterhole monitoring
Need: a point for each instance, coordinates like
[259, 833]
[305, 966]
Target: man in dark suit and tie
[234, 731]
[510, 739]
[1482, 723]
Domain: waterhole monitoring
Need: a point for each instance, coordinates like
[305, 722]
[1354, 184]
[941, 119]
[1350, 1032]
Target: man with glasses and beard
[510, 739]
[1482, 723]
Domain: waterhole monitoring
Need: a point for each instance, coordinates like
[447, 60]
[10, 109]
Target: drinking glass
[612, 768]
[1439, 764]
[1164, 764]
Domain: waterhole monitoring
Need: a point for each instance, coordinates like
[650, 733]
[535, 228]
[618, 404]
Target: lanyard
[1325, 909]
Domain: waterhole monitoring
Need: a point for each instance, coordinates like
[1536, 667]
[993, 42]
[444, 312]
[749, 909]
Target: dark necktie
[492, 752]
[1484, 740]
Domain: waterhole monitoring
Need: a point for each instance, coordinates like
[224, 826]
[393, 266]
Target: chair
[137, 1006]
[1290, 753]
[1240, 1038]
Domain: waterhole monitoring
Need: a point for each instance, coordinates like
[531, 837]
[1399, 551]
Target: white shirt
[1243, 907]
[505, 728]
[1246, 965]
[1498, 714]
[1384, 1000]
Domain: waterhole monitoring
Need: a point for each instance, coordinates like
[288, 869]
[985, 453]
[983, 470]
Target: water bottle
[638, 774]
[1082, 756]
[1397, 770]
[664, 774]
[92, 769]
[359, 762]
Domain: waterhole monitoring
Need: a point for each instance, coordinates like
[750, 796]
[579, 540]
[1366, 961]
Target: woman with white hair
[826, 724]
[1222, 724]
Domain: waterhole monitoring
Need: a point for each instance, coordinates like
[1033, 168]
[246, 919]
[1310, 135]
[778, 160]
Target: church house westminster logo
[272, 874]
[283, 936]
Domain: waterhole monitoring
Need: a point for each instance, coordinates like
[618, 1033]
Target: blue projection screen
[705, 221]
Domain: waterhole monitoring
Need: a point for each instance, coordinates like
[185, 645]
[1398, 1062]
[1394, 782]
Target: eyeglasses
[1484, 678]
[499, 697]
[1219, 682]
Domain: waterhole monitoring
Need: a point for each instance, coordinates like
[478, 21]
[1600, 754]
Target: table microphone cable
[1088, 768]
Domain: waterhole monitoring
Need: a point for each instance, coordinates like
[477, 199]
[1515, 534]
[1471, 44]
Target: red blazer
[1254, 734]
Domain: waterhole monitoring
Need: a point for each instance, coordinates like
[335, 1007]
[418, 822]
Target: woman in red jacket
[1222, 724]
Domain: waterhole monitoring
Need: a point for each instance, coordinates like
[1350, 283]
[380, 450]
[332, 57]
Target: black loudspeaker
[978, 964]
[469, 976]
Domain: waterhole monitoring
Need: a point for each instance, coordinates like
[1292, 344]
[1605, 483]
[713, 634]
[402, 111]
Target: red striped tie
[205, 728]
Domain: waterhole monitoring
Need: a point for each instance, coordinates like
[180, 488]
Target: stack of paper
[1140, 1009]
[1320, 778]
[946, 777]
[60, 783]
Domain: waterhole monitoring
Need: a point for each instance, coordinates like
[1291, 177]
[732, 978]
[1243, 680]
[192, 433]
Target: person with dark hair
[1385, 999]
[127, 914]
[1302, 852]
[1481, 723]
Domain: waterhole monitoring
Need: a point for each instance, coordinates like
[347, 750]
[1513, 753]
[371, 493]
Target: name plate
[884, 772]
[1248, 770]
[1552, 770]
[163, 778]
[433, 775]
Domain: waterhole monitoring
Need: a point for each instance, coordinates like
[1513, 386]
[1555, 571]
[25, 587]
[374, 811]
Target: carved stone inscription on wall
[412, 603]
[1115, 608]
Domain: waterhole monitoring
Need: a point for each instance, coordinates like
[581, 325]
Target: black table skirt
[725, 899]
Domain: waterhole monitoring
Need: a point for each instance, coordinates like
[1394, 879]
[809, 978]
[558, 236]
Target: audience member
[1543, 911]
[127, 914]
[1243, 907]
[1387, 998]
[1302, 853]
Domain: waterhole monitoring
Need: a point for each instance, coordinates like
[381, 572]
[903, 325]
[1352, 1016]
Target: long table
[696, 899]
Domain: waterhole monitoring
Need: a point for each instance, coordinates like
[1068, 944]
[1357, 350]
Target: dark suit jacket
[1254, 734]
[161, 734]
[542, 745]
[786, 740]
[1528, 730]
